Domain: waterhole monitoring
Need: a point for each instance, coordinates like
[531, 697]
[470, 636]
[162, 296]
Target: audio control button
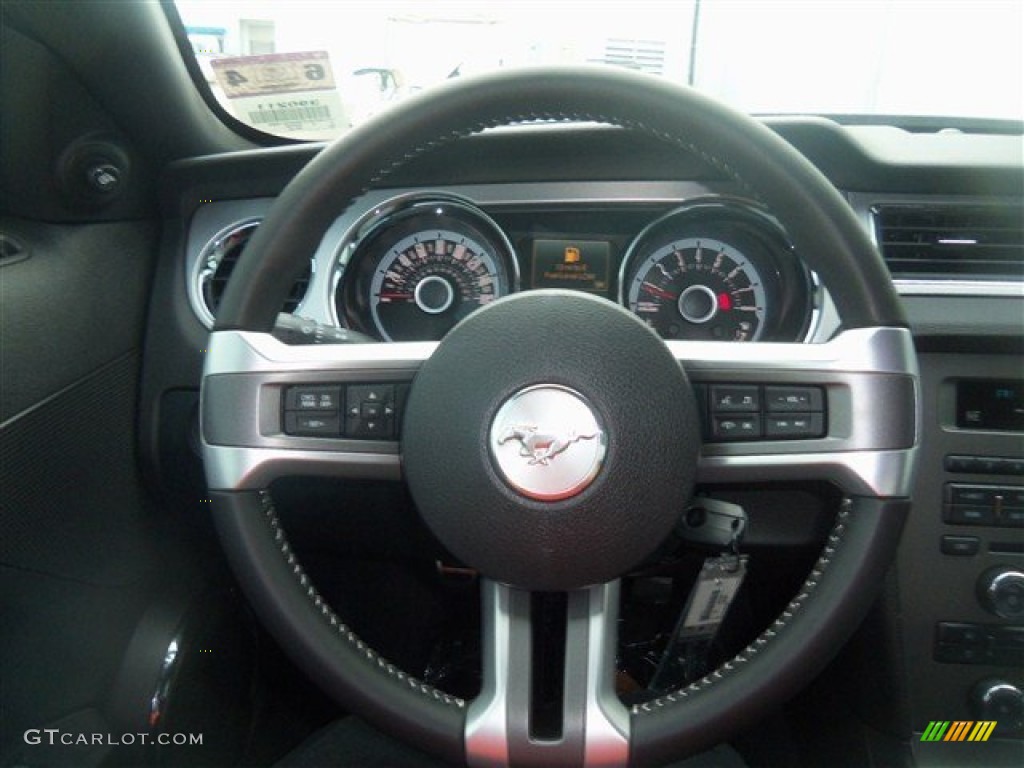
[962, 514]
[960, 546]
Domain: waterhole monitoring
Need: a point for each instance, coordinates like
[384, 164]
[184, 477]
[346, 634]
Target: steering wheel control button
[358, 411]
[791, 399]
[738, 427]
[370, 411]
[312, 411]
[794, 425]
[547, 443]
[752, 412]
[735, 399]
[312, 424]
[313, 399]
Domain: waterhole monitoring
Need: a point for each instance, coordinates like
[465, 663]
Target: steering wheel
[579, 514]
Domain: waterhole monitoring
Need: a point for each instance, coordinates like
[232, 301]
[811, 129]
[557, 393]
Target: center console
[962, 556]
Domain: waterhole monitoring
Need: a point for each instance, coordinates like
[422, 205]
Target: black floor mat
[351, 743]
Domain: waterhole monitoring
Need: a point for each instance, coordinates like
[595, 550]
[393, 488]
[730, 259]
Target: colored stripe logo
[958, 730]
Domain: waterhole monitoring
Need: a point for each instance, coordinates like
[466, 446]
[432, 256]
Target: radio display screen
[990, 404]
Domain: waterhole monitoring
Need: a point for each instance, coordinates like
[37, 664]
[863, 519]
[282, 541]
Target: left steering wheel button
[312, 424]
[370, 411]
[313, 399]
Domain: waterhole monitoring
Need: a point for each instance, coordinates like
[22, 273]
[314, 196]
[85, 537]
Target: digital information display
[990, 404]
[578, 265]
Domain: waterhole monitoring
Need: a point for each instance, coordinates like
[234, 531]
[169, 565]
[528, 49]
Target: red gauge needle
[656, 291]
[395, 296]
[724, 302]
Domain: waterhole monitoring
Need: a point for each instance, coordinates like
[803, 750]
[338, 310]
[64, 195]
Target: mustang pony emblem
[541, 447]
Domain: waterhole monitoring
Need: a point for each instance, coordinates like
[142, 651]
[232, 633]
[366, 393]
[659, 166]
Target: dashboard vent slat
[952, 242]
[219, 259]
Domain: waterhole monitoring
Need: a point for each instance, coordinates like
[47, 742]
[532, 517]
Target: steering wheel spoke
[860, 435]
[321, 410]
[513, 722]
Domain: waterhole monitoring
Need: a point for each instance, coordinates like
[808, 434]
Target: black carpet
[351, 743]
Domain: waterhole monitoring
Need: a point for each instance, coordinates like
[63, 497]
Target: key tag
[688, 651]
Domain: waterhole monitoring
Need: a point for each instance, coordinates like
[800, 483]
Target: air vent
[218, 261]
[952, 242]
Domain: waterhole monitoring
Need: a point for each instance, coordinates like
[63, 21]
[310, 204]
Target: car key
[712, 524]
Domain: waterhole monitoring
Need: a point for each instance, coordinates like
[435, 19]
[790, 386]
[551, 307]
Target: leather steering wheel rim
[841, 586]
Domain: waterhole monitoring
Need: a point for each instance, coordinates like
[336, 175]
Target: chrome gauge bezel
[364, 247]
[206, 264]
[753, 239]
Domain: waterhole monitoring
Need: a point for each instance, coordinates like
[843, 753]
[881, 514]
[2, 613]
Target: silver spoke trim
[252, 352]
[596, 728]
[606, 720]
[870, 378]
[884, 474]
[505, 653]
[863, 350]
[255, 468]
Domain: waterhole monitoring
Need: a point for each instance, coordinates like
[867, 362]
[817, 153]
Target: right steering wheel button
[794, 425]
[793, 399]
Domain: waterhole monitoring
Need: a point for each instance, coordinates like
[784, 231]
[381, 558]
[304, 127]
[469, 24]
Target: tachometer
[699, 288]
[717, 271]
[422, 268]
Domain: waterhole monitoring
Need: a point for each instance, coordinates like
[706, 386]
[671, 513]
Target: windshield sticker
[292, 93]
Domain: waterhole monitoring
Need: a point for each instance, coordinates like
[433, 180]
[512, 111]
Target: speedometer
[430, 276]
[699, 288]
[423, 268]
[718, 271]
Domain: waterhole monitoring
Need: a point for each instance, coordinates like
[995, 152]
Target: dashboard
[406, 265]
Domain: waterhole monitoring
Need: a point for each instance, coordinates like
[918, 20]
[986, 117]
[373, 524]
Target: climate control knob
[1000, 591]
[998, 700]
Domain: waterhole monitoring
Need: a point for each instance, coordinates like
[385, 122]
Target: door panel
[77, 555]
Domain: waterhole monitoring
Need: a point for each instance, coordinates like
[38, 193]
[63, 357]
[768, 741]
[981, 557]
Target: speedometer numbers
[430, 280]
[424, 268]
[717, 271]
[699, 289]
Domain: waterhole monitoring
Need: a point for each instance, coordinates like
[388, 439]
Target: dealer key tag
[719, 581]
[688, 652]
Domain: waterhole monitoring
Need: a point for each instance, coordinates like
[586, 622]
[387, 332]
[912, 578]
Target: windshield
[312, 70]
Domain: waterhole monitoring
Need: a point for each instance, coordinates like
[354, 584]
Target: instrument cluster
[712, 269]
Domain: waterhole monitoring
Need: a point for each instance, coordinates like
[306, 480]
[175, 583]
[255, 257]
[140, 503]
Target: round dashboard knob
[998, 700]
[1000, 591]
